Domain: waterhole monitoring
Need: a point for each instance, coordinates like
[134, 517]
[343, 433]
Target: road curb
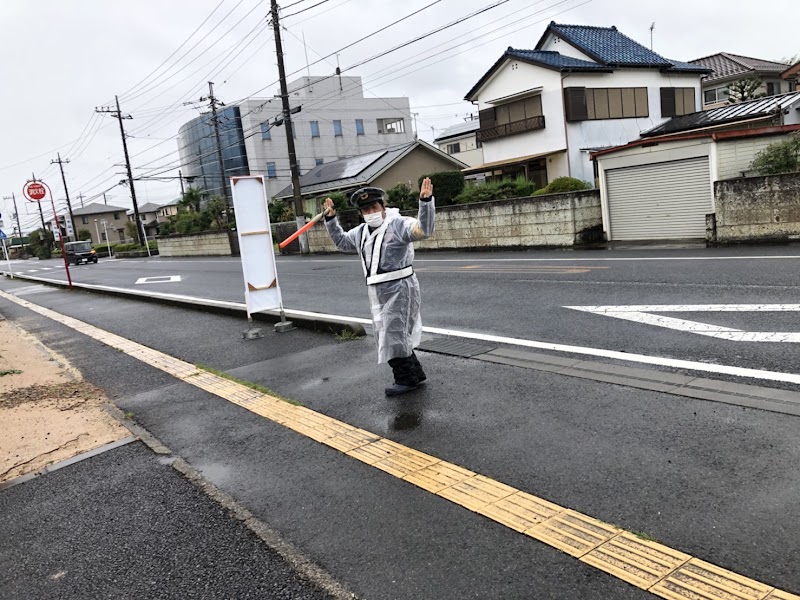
[302, 319]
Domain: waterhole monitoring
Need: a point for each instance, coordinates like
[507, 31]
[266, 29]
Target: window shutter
[487, 118]
[668, 102]
[575, 104]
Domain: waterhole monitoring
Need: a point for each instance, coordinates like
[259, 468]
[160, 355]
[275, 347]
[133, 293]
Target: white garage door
[668, 200]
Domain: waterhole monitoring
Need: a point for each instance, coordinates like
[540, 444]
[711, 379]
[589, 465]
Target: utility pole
[180, 177]
[117, 114]
[105, 200]
[287, 120]
[80, 197]
[13, 198]
[213, 103]
[60, 164]
[39, 204]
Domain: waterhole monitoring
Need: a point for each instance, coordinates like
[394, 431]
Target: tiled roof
[147, 208]
[725, 65]
[97, 209]
[752, 109]
[555, 60]
[609, 46]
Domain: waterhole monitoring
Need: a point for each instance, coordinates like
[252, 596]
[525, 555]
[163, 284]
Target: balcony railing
[498, 131]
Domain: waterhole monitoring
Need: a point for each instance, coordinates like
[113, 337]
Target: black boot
[421, 377]
[405, 376]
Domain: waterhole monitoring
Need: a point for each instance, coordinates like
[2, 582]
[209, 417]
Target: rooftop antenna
[652, 27]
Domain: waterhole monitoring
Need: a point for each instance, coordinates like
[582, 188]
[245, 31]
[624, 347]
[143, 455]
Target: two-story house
[461, 141]
[101, 221]
[148, 214]
[543, 111]
[726, 68]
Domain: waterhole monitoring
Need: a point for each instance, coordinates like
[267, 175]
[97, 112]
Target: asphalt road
[713, 480]
[123, 525]
[525, 294]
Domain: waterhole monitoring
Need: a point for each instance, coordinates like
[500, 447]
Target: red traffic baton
[302, 230]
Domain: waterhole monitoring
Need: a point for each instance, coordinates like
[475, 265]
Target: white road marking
[643, 314]
[158, 279]
[581, 350]
[615, 259]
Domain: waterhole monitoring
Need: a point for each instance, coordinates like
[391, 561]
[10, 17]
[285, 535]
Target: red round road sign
[34, 191]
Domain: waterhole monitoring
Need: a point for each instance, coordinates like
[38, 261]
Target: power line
[134, 86]
[305, 9]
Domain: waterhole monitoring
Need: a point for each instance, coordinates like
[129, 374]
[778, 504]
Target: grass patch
[129, 416]
[5, 372]
[345, 335]
[249, 384]
[644, 536]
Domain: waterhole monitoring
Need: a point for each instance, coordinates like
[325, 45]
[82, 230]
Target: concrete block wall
[755, 209]
[201, 244]
[556, 220]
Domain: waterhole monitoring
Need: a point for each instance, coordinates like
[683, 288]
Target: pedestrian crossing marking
[650, 566]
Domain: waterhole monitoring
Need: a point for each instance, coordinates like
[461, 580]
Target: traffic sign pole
[35, 191]
[8, 258]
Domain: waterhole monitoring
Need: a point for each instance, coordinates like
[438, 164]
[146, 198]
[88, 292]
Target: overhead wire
[304, 9]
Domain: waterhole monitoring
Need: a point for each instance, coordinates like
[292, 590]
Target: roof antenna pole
[652, 27]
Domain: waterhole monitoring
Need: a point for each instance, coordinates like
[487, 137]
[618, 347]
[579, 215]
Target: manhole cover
[454, 347]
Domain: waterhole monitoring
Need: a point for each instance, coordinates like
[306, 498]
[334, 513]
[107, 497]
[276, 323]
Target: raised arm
[422, 227]
[345, 241]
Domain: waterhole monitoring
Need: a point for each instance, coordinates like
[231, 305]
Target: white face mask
[374, 219]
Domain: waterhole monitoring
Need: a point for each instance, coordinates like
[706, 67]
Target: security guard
[385, 243]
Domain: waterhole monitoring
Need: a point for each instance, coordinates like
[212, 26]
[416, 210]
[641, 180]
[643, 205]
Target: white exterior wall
[607, 133]
[516, 76]
[323, 102]
[556, 44]
[470, 153]
[509, 80]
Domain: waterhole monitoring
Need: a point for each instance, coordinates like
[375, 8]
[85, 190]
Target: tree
[446, 186]
[744, 89]
[84, 235]
[192, 199]
[40, 243]
[130, 229]
[780, 157]
[217, 210]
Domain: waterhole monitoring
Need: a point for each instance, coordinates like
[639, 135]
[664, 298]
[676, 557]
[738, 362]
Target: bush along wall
[447, 185]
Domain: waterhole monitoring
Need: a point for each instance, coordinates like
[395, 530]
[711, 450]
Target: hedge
[446, 186]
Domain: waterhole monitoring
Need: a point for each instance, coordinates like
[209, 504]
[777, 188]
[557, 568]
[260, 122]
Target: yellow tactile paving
[700, 580]
[651, 566]
[521, 511]
[439, 476]
[573, 532]
[640, 562]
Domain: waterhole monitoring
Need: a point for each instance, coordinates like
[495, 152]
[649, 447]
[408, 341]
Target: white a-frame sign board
[261, 288]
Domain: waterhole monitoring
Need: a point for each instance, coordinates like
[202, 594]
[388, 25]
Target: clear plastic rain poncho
[393, 288]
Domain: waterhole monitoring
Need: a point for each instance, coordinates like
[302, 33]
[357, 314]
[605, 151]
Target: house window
[337, 128]
[714, 95]
[393, 125]
[116, 216]
[454, 148]
[85, 220]
[272, 172]
[677, 101]
[359, 126]
[592, 104]
[121, 233]
[773, 88]
[103, 236]
[265, 131]
[314, 129]
[319, 161]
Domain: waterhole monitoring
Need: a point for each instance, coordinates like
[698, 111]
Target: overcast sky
[61, 59]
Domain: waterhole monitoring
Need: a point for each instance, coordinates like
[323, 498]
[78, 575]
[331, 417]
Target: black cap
[366, 196]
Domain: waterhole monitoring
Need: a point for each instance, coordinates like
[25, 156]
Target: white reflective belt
[391, 276]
